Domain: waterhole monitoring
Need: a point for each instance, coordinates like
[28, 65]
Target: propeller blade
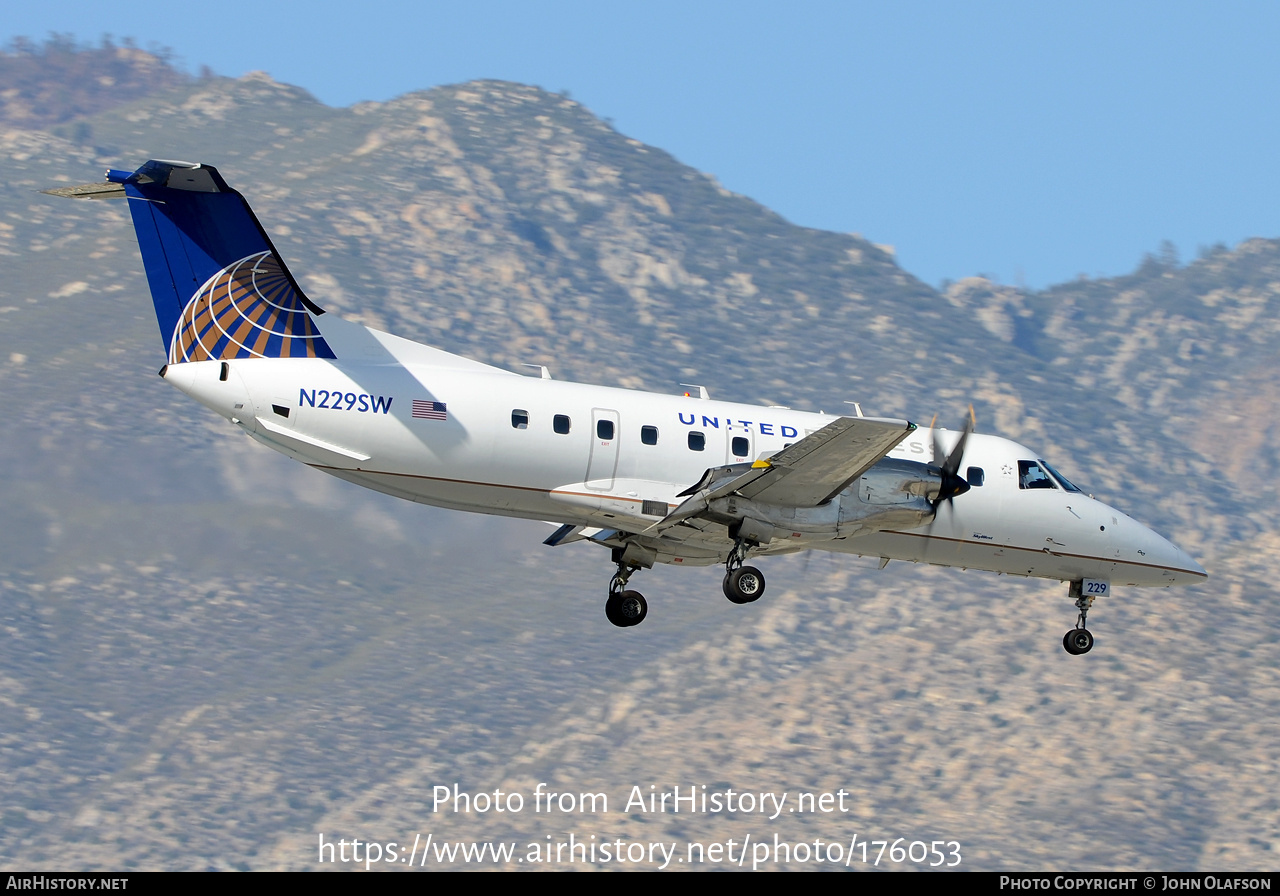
[952, 464]
[952, 484]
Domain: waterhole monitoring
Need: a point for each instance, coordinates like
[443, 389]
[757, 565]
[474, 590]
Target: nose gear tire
[1077, 641]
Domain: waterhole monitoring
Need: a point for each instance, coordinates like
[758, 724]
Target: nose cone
[1160, 561]
[1184, 571]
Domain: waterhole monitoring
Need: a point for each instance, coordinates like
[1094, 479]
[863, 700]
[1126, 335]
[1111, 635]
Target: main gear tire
[626, 608]
[744, 585]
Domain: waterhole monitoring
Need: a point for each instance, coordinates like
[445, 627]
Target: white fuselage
[487, 440]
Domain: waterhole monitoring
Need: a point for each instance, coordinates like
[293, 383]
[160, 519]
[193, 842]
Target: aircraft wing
[818, 467]
[811, 472]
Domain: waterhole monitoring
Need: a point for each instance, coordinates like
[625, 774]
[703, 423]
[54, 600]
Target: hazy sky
[1030, 142]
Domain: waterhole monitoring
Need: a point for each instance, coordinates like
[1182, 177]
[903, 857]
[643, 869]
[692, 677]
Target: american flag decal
[429, 410]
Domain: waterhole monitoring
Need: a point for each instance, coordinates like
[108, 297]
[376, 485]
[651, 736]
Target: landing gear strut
[742, 584]
[1079, 640]
[625, 608]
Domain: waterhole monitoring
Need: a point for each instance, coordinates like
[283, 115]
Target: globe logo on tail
[249, 309]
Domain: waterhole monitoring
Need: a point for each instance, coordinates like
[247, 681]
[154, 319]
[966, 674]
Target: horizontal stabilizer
[566, 534]
[105, 190]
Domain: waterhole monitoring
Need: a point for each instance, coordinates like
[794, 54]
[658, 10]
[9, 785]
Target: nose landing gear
[1079, 640]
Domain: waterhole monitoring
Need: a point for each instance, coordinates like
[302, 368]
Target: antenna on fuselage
[702, 391]
[857, 408]
[546, 374]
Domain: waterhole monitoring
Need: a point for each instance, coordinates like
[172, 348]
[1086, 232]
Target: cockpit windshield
[1062, 480]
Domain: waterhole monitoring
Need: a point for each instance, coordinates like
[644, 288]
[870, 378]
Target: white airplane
[654, 478]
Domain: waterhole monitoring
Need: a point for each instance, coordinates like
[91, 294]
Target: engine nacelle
[757, 518]
[892, 494]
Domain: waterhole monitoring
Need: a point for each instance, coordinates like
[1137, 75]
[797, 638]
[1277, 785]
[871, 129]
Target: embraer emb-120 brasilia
[653, 478]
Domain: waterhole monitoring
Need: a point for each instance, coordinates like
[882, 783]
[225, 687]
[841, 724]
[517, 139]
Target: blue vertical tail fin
[220, 289]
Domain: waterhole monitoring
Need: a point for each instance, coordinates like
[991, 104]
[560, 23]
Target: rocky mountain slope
[211, 656]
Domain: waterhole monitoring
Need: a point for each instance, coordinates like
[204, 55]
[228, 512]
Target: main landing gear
[1079, 640]
[742, 584]
[625, 608]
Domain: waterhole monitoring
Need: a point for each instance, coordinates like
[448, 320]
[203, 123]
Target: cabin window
[741, 446]
[519, 419]
[697, 441]
[604, 430]
[1032, 475]
[649, 435]
[975, 476]
[560, 423]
